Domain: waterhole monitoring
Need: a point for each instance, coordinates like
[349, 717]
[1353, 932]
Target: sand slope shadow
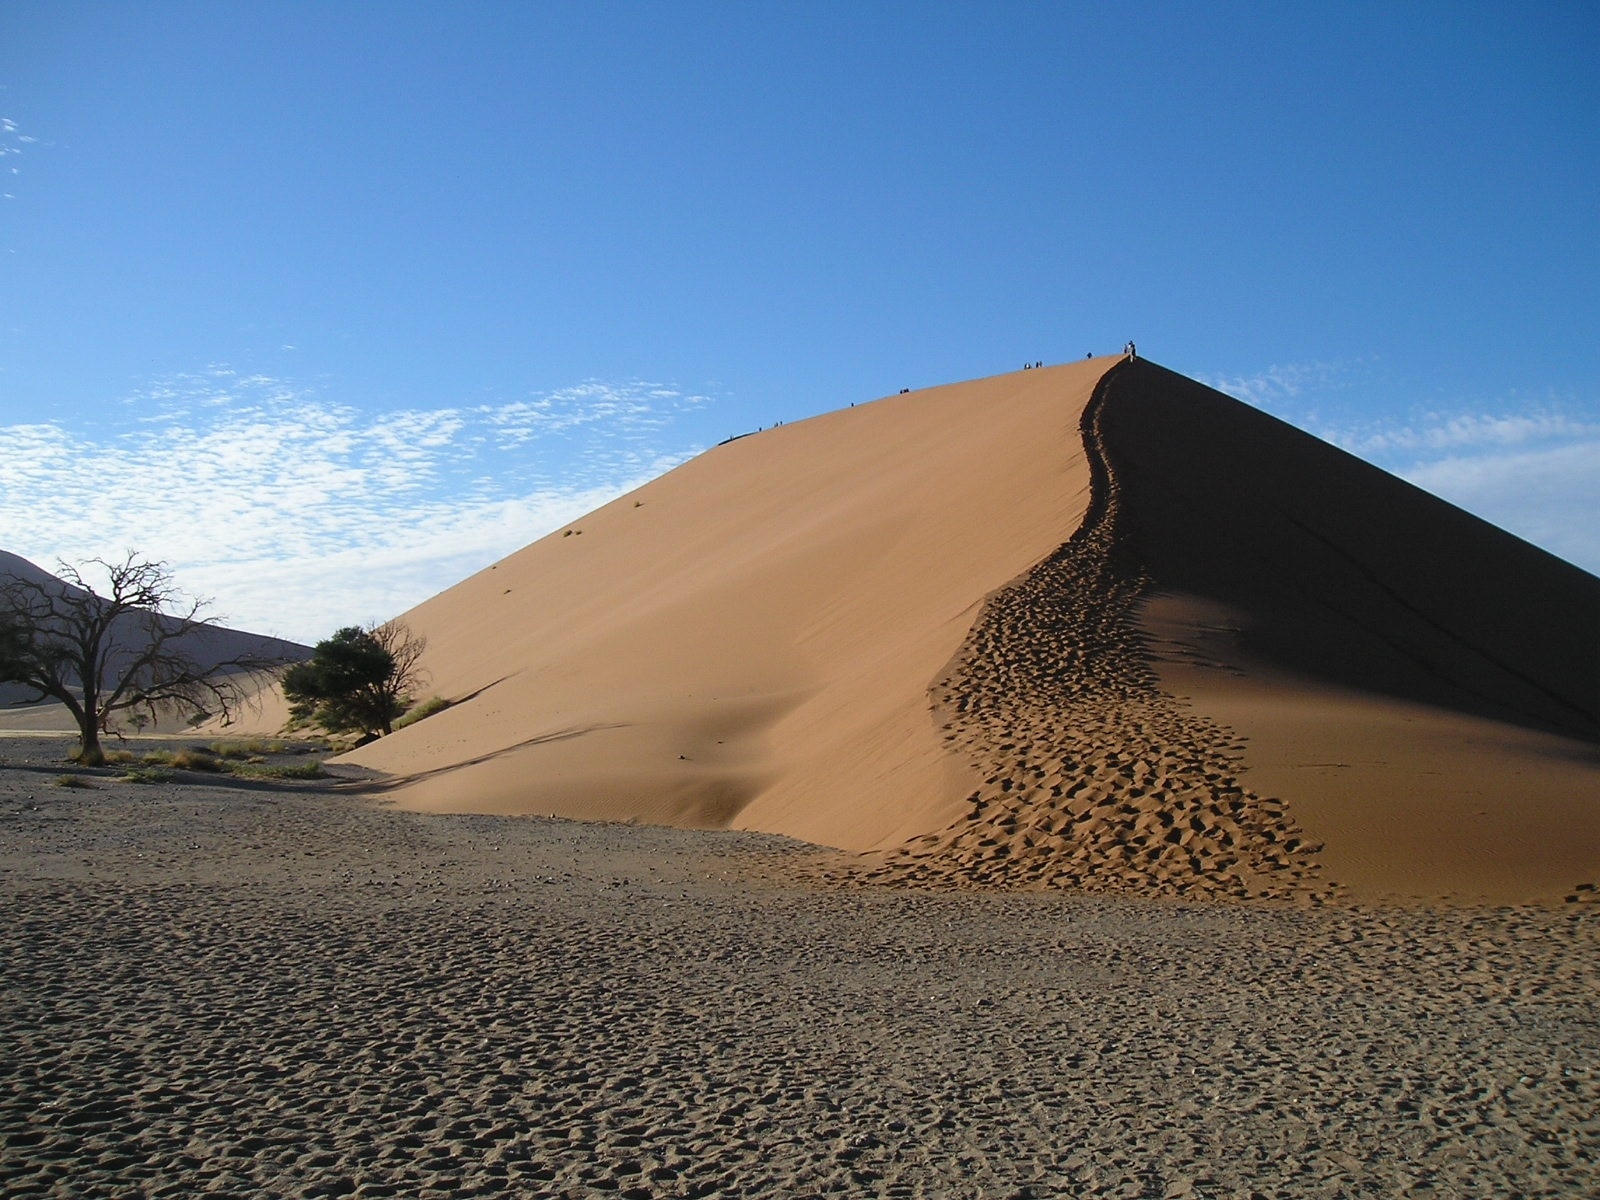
[1342, 571]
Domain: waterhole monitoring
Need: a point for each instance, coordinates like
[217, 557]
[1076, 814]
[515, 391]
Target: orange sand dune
[750, 638]
[1090, 626]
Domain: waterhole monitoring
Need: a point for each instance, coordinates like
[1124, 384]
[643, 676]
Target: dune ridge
[1093, 778]
[1247, 604]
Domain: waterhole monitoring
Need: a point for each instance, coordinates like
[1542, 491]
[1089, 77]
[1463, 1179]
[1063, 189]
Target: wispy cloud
[299, 514]
[1277, 385]
[1440, 431]
[1535, 472]
[12, 144]
[1530, 467]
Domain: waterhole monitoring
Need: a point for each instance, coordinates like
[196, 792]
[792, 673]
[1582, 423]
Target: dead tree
[143, 648]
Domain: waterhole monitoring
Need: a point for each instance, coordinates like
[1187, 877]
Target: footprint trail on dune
[1091, 777]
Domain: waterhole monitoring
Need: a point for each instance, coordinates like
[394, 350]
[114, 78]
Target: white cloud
[299, 515]
[1549, 496]
[1443, 431]
[12, 143]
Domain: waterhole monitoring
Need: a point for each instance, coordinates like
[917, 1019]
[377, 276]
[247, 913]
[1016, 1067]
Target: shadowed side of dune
[1420, 686]
[1343, 572]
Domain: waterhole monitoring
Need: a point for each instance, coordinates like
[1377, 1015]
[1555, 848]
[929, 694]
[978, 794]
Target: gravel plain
[209, 986]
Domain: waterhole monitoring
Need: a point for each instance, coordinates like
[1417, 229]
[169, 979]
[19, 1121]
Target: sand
[749, 640]
[1260, 667]
[1421, 688]
[300, 992]
[1090, 786]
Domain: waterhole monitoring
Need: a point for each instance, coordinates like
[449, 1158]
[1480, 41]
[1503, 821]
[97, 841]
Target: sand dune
[1422, 687]
[1081, 629]
[750, 639]
[1091, 626]
[1413, 727]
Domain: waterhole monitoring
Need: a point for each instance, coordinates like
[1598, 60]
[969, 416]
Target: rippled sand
[255, 991]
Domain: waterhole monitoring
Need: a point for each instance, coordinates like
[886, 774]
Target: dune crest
[1093, 778]
[1246, 604]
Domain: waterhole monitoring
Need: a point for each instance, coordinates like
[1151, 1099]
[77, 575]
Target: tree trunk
[89, 752]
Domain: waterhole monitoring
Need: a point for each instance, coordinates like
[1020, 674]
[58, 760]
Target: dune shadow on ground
[391, 782]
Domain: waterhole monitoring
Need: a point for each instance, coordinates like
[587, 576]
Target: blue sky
[331, 304]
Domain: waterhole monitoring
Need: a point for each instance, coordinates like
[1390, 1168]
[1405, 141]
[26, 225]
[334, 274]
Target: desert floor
[274, 991]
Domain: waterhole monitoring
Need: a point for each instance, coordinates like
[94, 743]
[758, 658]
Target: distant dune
[1090, 626]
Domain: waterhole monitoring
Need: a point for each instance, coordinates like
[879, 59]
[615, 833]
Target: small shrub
[120, 757]
[74, 781]
[356, 682]
[255, 748]
[197, 760]
[310, 770]
[421, 712]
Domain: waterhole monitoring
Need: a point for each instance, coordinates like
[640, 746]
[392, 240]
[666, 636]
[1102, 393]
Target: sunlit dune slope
[750, 639]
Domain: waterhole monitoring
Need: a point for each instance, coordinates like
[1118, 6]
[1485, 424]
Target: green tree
[137, 650]
[358, 681]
